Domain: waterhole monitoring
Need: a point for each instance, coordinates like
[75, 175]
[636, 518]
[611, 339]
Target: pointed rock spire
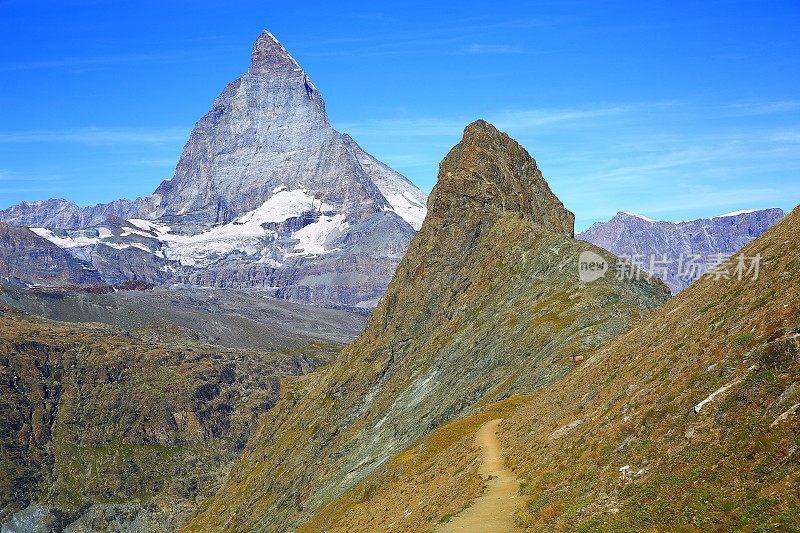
[489, 171]
[269, 55]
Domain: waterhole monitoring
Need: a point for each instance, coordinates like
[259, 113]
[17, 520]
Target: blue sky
[671, 109]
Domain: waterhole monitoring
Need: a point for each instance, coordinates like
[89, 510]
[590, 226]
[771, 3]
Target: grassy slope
[631, 404]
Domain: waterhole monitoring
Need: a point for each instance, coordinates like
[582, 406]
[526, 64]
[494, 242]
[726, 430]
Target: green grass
[743, 339]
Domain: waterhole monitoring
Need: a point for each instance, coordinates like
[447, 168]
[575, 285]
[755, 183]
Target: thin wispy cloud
[766, 108]
[458, 38]
[491, 49]
[613, 157]
[8, 176]
[98, 136]
[138, 58]
[82, 62]
[517, 120]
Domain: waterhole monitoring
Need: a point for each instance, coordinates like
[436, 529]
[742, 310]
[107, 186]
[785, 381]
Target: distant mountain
[266, 195]
[27, 259]
[679, 252]
[60, 213]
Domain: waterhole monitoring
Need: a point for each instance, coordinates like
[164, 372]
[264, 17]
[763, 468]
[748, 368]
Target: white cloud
[517, 120]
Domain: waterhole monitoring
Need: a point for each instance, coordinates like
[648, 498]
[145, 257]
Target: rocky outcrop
[679, 252]
[649, 432]
[488, 174]
[266, 194]
[486, 303]
[27, 259]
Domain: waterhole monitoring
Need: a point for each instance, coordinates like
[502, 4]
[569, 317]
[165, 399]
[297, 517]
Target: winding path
[493, 511]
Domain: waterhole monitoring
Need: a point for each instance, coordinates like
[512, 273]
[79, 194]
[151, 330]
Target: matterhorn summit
[266, 195]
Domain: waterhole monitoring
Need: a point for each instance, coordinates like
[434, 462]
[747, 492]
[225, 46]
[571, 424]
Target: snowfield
[245, 235]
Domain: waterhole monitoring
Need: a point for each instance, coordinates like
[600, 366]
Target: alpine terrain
[127, 426]
[266, 195]
[688, 421]
[487, 304]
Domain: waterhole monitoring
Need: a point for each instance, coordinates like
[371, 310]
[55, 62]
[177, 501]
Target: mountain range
[268, 196]
[680, 252]
[612, 406]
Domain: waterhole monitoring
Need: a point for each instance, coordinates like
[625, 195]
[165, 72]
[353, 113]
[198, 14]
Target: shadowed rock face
[27, 259]
[334, 220]
[486, 303]
[633, 236]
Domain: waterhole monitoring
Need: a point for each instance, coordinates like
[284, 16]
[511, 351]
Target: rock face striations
[486, 303]
[266, 195]
[670, 249]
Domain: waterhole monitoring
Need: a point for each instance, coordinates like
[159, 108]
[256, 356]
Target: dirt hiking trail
[493, 511]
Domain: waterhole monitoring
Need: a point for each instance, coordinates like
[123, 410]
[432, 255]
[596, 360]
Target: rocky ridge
[487, 303]
[688, 421]
[60, 213]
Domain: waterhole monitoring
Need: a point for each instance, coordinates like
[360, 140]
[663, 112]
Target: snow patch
[245, 235]
[637, 215]
[409, 208]
[76, 241]
[737, 213]
[318, 238]
[282, 205]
